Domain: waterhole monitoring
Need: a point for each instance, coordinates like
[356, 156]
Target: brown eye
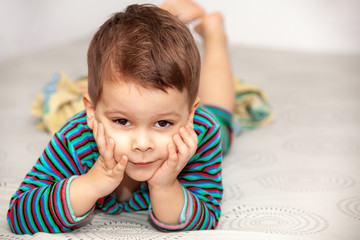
[163, 123]
[122, 121]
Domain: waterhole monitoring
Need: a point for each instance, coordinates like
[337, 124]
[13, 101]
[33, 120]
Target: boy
[143, 142]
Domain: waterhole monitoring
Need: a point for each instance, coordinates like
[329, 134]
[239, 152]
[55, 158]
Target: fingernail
[182, 130]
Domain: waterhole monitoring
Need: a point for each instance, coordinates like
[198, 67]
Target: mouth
[142, 164]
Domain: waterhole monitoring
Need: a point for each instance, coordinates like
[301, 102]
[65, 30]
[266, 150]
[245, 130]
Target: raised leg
[185, 10]
[216, 80]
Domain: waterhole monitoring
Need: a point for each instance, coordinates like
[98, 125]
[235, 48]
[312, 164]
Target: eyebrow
[172, 113]
[109, 112]
[169, 113]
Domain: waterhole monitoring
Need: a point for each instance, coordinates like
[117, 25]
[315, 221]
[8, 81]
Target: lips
[142, 164]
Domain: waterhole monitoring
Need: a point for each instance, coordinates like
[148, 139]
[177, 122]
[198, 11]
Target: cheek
[122, 144]
[162, 142]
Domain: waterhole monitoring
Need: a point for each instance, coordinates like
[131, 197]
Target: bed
[296, 178]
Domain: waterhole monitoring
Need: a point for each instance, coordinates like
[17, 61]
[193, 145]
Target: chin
[140, 175]
[139, 178]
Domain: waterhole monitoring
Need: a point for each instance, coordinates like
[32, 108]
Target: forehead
[134, 98]
[113, 78]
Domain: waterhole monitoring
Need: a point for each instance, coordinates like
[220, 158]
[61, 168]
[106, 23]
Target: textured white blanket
[298, 178]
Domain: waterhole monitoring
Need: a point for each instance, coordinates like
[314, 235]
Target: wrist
[92, 186]
[167, 202]
[99, 182]
[82, 196]
[163, 186]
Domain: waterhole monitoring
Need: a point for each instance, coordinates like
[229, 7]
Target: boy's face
[142, 122]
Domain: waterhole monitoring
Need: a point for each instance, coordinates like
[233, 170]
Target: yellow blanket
[61, 99]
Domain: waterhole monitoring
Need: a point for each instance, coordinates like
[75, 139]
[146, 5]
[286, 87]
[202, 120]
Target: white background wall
[305, 25]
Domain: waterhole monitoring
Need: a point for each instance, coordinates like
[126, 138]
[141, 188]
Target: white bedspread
[297, 178]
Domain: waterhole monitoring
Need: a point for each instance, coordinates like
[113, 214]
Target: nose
[142, 141]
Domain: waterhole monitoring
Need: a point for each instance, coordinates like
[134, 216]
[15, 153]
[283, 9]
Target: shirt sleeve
[41, 203]
[202, 186]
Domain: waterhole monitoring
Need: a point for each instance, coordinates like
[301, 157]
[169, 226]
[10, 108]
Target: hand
[107, 172]
[180, 152]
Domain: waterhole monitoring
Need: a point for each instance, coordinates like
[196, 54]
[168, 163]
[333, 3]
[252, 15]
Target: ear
[90, 110]
[192, 111]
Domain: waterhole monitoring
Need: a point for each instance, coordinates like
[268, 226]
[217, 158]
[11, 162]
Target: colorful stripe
[41, 204]
[224, 117]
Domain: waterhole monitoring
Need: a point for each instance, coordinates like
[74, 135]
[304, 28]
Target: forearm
[40, 209]
[167, 203]
[198, 213]
[82, 195]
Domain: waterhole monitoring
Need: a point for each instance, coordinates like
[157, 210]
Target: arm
[166, 194]
[201, 187]
[43, 202]
[102, 179]
[40, 203]
[202, 181]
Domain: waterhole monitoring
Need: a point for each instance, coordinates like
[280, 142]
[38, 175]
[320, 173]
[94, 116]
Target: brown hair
[145, 44]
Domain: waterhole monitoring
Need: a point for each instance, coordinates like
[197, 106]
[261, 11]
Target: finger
[100, 138]
[96, 135]
[172, 160]
[121, 165]
[180, 145]
[192, 133]
[124, 160]
[108, 155]
[186, 137]
[191, 140]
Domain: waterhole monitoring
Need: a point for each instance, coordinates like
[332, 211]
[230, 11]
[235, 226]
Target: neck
[126, 188]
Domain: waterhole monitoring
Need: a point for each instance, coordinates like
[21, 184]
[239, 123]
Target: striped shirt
[41, 203]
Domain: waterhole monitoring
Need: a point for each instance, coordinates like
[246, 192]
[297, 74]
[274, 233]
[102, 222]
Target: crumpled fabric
[252, 107]
[61, 98]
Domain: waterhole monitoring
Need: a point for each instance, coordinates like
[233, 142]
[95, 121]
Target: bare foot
[211, 28]
[185, 10]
